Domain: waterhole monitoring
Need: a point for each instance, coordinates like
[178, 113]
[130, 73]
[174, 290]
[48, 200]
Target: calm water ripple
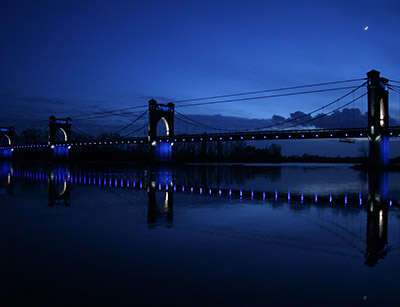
[198, 235]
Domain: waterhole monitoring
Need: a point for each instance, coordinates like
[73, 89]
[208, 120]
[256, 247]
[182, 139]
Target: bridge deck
[342, 133]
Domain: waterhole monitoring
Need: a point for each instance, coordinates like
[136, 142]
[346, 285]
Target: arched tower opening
[161, 124]
[5, 140]
[6, 136]
[60, 136]
[162, 127]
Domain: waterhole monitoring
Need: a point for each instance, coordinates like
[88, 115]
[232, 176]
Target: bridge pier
[378, 120]
[59, 153]
[6, 154]
[162, 152]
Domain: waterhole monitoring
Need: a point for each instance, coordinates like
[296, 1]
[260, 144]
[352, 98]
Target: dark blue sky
[68, 58]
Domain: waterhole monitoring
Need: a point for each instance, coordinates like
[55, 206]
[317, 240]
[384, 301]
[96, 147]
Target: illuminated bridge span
[377, 131]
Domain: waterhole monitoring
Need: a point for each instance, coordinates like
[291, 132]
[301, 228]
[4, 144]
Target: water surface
[199, 235]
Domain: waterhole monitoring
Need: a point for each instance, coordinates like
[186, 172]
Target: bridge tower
[161, 151]
[8, 134]
[378, 119]
[377, 216]
[56, 124]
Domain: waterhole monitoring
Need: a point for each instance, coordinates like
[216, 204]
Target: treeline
[237, 151]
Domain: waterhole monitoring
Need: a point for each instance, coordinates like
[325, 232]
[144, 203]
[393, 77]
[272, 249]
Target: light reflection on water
[200, 235]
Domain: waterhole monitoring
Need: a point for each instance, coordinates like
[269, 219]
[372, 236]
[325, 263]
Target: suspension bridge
[303, 126]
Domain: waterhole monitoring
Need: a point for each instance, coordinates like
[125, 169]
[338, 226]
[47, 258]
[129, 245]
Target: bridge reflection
[377, 217]
[6, 178]
[160, 186]
[59, 186]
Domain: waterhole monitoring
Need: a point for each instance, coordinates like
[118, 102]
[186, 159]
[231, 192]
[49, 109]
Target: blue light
[191, 190]
[174, 188]
[316, 197]
[263, 195]
[302, 198]
[276, 195]
[345, 198]
[330, 198]
[390, 203]
[141, 184]
[210, 191]
[252, 194]
[201, 191]
[288, 196]
[230, 193]
[241, 194]
[219, 192]
[183, 188]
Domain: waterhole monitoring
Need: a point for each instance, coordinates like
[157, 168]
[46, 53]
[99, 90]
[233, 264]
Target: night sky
[70, 58]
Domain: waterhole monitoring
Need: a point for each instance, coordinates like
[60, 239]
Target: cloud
[346, 118]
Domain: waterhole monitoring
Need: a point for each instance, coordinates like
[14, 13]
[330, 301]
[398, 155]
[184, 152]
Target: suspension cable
[394, 89]
[198, 124]
[289, 120]
[79, 130]
[326, 114]
[135, 131]
[268, 90]
[266, 97]
[131, 123]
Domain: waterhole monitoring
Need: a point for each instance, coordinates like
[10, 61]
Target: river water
[203, 235]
